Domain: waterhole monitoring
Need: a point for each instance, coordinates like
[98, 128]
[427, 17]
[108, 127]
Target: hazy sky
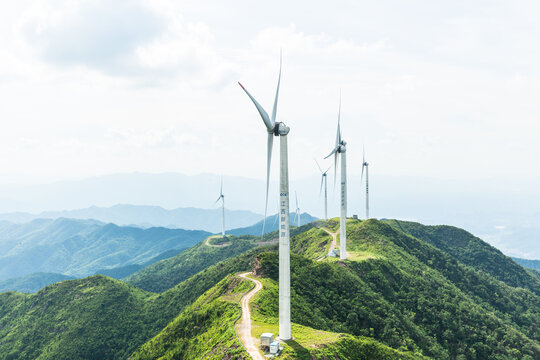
[432, 88]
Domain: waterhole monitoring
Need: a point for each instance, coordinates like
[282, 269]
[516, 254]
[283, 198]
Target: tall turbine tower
[279, 129]
[297, 210]
[323, 180]
[365, 164]
[222, 198]
[340, 150]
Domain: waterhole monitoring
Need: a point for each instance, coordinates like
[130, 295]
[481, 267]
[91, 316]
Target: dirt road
[207, 243]
[244, 328]
[333, 244]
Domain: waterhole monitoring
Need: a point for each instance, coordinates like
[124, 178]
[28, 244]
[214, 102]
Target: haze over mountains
[501, 211]
[148, 216]
[82, 247]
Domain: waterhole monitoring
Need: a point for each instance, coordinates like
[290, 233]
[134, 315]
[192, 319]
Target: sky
[440, 89]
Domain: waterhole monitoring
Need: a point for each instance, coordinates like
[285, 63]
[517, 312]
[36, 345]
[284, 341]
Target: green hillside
[397, 297]
[81, 247]
[167, 273]
[472, 251]
[205, 330]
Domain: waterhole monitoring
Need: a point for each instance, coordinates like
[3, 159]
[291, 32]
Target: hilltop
[397, 297]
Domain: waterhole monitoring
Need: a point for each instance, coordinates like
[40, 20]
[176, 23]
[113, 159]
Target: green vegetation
[125, 271]
[309, 343]
[406, 292]
[411, 296]
[471, 251]
[313, 243]
[203, 330]
[167, 273]
[32, 283]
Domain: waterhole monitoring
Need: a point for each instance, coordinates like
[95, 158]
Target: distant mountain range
[43, 251]
[32, 283]
[531, 264]
[503, 212]
[82, 247]
[148, 216]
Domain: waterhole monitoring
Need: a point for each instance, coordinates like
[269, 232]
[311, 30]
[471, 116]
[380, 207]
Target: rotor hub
[281, 129]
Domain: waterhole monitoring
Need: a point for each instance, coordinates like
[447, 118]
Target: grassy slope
[310, 343]
[204, 330]
[401, 291]
[471, 251]
[167, 273]
[438, 305]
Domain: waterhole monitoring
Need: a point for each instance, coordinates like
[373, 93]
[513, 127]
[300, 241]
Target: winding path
[207, 243]
[244, 328]
[333, 244]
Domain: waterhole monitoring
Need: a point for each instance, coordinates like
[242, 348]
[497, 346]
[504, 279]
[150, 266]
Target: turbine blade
[362, 176]
[274, 110]
[338, 135]
[269, 124]
[219, 198]
[335, 169]
[296, 198]
[333, 152]
[322, 179]
[277, 215]
[319, 166]
[363, 154]
[221, 188]
[268, 163]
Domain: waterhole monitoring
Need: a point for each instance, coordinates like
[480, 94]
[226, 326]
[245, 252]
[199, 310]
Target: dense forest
[406, 291]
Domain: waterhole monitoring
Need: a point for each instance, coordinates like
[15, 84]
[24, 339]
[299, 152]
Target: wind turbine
[279, 129]
[365, 164]
[222, 198]
[323, 180]
[297, 210]
[340, 150]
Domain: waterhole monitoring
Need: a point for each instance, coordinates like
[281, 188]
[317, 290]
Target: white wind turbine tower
[279, 129]
[297, 210]
[222, 198]
[365, 164]
[340, 150]
[323, 180]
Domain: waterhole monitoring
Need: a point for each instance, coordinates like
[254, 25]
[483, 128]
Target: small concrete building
[266, 339]
[334, 253]
[274, 347]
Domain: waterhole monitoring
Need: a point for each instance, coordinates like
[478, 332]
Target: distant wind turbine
[365, 164]
[297, 210]
[340, 149]
[222, 198]
[323, 180]
[279, 129]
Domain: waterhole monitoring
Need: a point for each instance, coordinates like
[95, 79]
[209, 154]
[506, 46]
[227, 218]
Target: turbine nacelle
[342, 147]
[280, 129]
